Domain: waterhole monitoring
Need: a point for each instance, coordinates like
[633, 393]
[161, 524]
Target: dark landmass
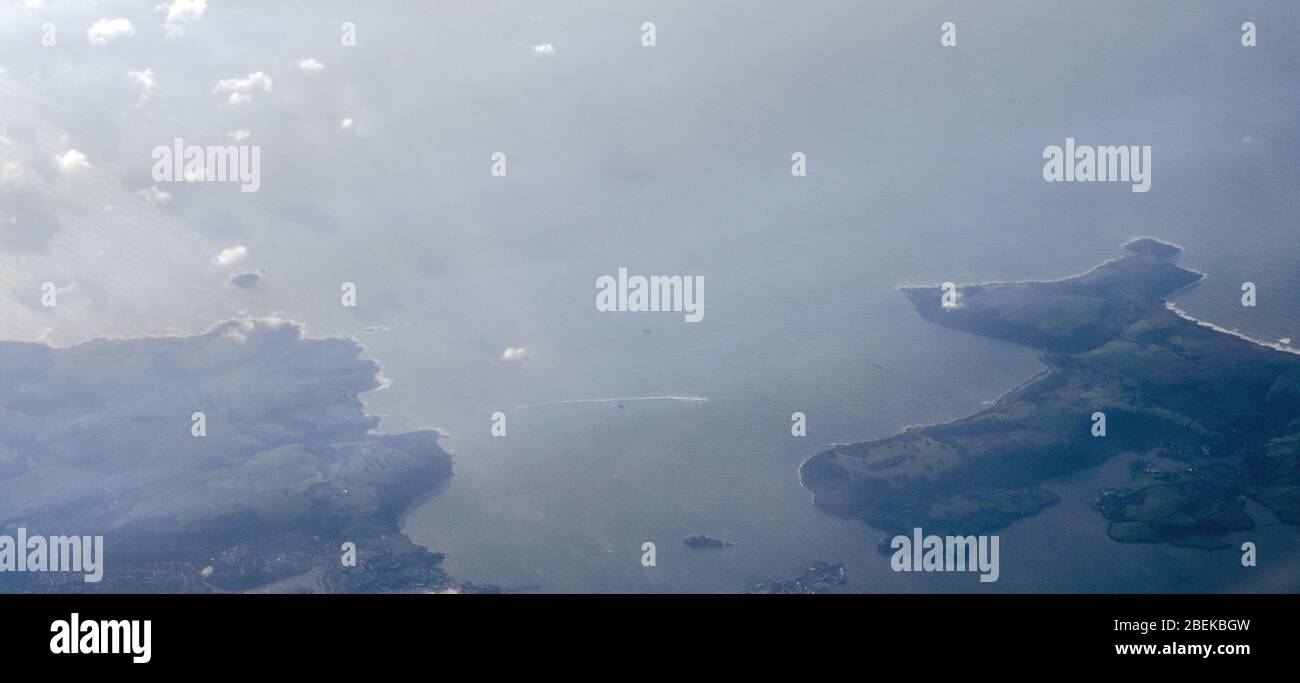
[702, 541]
[821, 577]
[96, 439]
[1168, 387]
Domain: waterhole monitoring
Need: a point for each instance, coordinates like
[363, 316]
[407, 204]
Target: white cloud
[544, 49]
[231, 255]
[254, 81]
[238, 135]
[181, 13]
[345, 124]
[513, 353]
[105, 30]
[146, 81]
[155, 196]
[311, 65]
[72, 161]
[240, 89]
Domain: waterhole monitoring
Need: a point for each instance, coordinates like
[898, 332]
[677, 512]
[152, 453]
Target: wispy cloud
[181, 14]
[144, 78]
[146, 81]
[155, 196]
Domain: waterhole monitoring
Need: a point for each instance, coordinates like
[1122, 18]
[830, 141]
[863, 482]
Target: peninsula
[1168, 386]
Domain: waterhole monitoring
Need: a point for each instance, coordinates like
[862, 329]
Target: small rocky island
[703, 541]
[1168, 386]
